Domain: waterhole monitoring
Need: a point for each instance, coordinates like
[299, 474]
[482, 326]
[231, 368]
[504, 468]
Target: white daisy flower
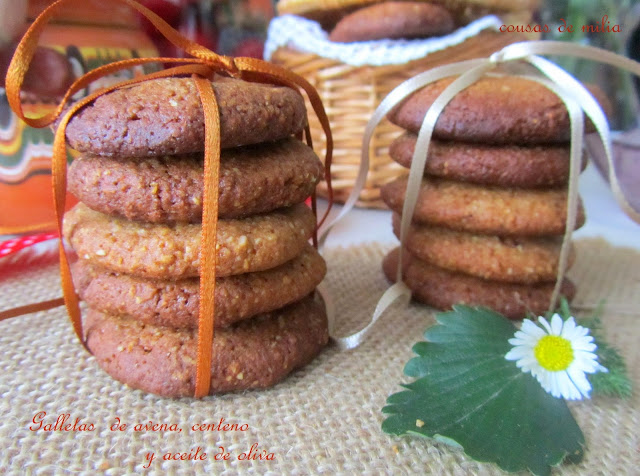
[558, 354]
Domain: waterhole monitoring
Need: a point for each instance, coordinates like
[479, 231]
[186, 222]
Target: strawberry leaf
[468, 394]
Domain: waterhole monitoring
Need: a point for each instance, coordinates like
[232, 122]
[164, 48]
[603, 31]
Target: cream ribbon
[575, 97]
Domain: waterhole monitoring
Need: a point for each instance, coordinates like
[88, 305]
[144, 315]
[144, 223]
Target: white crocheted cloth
[308, 36]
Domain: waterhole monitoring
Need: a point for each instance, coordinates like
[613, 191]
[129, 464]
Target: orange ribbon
[201, 67]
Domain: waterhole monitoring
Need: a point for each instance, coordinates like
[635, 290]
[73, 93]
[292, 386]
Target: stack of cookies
[137, 232]
[488, 224]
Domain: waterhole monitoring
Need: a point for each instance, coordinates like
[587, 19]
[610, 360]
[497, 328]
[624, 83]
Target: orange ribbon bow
[202, 66]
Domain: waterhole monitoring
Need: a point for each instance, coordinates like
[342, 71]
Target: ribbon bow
[202, 66]
[575, 97]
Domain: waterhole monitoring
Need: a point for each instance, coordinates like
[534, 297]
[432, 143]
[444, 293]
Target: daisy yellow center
[553, 353]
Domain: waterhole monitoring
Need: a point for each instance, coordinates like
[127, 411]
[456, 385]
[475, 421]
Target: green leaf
[615, 382]
[467, 393]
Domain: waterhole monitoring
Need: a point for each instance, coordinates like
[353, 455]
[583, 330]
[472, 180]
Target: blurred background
[238, 28]
[230, 27]
[91, 33]
[625, 13]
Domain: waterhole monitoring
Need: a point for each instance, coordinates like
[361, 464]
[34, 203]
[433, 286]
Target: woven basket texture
[351, 94]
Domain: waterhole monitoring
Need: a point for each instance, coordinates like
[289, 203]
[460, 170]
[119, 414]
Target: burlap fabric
[324, 419]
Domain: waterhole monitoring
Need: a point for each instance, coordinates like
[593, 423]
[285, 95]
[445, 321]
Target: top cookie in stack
[393, 20]
[137, 234]
[491, 211]
[329, 12]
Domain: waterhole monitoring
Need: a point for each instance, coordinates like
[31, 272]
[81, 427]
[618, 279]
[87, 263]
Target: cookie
[256, 353]
[253, 179]
[508, 259]
[443, 289]
[393, 20]
[148, 250]
[504, 166]
[176, 304]
[494, 110]
[465, 10]
[164, 117]
[485, 210]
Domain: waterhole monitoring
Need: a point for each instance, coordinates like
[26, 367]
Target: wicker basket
[350, 95]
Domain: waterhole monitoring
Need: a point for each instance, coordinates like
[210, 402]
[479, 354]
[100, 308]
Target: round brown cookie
[149, 250]
[443, 289]
[507, 259]
[164, 117]
[256, 353]
[176, 304]
[465, 11]
[485, 210]
[504, 166]
[494, 110]
[253, 179]
[393, 20]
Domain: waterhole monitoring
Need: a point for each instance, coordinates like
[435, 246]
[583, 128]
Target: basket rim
[307, 36]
